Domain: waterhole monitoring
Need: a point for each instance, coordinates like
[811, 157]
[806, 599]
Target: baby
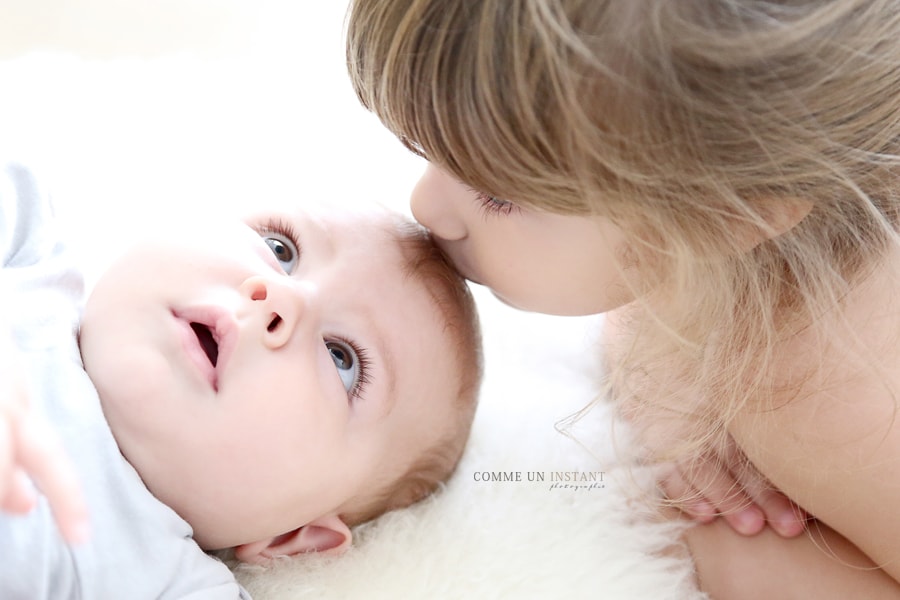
[261, 385]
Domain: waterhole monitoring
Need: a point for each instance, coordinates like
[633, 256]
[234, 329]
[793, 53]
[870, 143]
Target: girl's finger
[786, 518]
[686, 498]
[726, 494]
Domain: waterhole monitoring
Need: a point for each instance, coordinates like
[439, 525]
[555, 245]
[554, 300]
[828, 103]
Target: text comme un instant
[538, 476]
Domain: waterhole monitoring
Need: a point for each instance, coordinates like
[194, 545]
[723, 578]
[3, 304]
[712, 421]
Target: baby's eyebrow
[385, 356]
[322, 234]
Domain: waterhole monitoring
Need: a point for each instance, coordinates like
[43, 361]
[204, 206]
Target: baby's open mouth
[207, 341]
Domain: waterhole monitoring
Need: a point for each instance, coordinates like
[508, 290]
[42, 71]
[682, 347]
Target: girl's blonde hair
[689, 123]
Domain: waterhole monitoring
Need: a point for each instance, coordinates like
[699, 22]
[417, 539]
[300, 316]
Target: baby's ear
[326, 534]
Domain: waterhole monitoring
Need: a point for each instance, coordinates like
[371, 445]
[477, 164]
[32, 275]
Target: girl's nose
[433, 205]
[280, 304]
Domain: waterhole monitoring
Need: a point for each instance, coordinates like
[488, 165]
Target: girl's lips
[459, 256]
[222, 328]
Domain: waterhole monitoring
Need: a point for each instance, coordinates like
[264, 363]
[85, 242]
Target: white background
[137, 107]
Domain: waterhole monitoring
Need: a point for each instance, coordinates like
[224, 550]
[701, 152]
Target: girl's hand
[724, 484]
[29, 448]
[721, 482]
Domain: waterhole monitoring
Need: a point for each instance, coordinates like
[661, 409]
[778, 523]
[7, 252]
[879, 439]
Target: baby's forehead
[330, 206]
[338, 216]
[371, 217]
[342, 223]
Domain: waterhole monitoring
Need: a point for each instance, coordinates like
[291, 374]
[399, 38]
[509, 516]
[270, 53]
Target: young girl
[725, 175]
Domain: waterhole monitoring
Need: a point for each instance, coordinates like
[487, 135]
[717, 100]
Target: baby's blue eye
[346, 362]
[284, 249]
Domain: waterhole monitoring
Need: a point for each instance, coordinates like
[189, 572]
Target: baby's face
[260, 375]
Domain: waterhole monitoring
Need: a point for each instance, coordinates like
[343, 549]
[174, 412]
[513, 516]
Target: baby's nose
[281, 304]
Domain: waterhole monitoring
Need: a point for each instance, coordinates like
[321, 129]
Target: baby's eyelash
[281, 227]
[365, 364]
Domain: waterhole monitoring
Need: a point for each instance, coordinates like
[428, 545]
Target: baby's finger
[16, 495]
[7, 451]
[19, 498]
[43, 457]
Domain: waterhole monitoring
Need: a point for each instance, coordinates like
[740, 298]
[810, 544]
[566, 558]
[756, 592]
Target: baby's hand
[29, 448]
[723, 484]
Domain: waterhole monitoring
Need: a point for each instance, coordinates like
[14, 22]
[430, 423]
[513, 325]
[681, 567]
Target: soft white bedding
[259, 109]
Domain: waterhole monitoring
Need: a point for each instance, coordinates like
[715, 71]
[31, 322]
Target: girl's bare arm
[819, 564]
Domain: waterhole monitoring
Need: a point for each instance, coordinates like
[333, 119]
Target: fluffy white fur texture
[127, 139]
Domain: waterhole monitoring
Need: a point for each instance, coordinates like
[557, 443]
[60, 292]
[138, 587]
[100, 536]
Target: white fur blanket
[215, 103]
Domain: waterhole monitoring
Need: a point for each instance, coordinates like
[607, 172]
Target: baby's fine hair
[450, 295]
[687, 123]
